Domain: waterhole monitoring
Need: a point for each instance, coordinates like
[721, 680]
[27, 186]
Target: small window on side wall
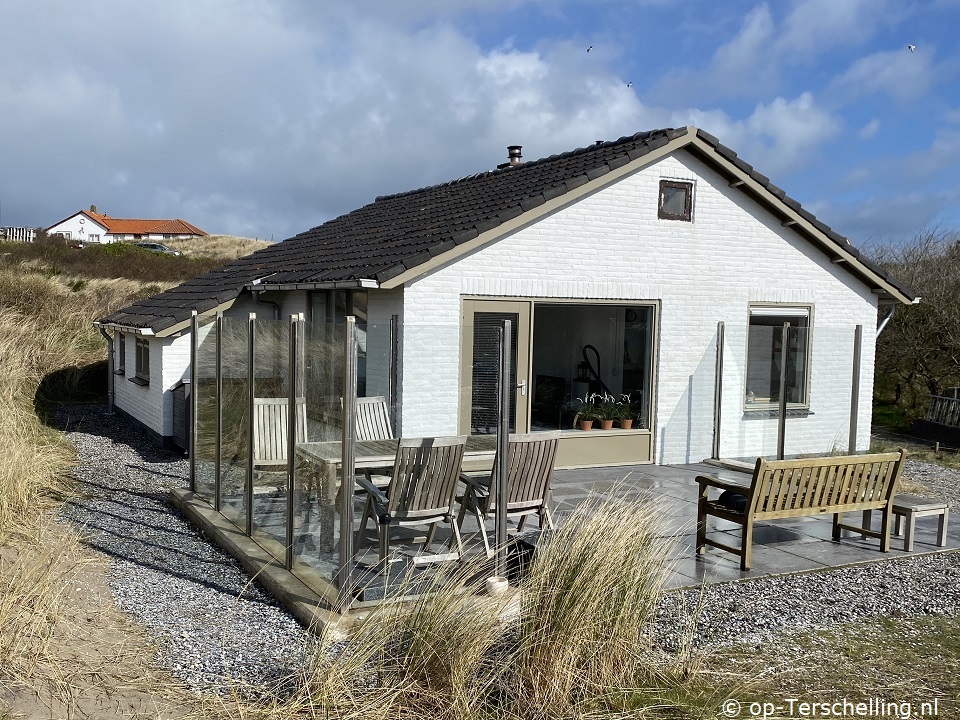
[121, 354]
[676, 200]
[143, 359]
[766, 354]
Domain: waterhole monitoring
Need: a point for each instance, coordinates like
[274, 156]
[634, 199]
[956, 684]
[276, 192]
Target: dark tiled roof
[399, 232]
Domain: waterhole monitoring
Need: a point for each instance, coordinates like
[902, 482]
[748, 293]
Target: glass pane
[588, 351]
[235, 422]
[317, 473]
[674, 200]
[205, 444]
[271, 428]
[486, 361]
[765, 356]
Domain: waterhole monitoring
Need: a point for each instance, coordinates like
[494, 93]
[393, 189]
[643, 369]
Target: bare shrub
[918, 353]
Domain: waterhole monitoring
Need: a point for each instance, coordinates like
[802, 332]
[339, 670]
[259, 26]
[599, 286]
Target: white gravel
[216, 629]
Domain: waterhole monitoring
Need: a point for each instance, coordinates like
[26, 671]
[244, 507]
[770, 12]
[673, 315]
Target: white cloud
[870, 129]
[778, 138]
[815, 26]
[900, 74]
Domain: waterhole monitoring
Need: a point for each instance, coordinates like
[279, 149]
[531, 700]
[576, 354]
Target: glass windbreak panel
[485, 371]
[766, 355]
[205, 443]
[597, 355]
[235, 423]
[317, 474]
[272, 424]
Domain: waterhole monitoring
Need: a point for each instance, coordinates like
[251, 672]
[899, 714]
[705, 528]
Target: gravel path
[217, 630]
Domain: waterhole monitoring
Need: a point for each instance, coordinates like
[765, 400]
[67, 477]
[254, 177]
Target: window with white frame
[143, 359]
[766, 356]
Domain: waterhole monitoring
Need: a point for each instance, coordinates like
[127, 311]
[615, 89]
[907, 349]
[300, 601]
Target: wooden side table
[911, 507]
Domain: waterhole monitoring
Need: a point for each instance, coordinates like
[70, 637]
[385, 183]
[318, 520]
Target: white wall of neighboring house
[81, 227]
[612, 246]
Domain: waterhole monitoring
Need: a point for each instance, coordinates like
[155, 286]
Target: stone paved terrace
[783, 546]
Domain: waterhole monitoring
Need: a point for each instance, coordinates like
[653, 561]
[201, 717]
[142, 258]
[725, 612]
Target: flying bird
[911, 48]
[590, 48]
[630, 84]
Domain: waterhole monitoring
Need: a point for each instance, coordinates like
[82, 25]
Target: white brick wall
[612, 246]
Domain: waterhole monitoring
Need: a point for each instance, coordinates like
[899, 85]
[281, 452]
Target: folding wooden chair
[531, 460]
[421, 492]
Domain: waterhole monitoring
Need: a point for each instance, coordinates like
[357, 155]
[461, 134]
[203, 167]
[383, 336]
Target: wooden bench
[797, 488]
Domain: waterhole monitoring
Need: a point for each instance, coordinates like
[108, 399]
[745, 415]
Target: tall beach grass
[571, 640]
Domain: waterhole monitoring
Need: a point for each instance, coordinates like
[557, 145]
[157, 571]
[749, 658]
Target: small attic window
[676, 200]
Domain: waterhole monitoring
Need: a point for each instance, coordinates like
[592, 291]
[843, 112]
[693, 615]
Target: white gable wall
[81, 227]
[611, 245]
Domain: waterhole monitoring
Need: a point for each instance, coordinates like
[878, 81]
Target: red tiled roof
[129, 226]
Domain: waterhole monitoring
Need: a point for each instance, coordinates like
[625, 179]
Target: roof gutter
[261, 286]
[124, 328]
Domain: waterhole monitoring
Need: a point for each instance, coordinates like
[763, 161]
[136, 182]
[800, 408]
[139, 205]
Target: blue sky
[265, 118]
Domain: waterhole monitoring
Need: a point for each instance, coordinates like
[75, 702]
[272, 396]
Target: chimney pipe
[513, 154]
[93, 208]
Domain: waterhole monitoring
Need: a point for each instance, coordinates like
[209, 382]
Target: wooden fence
[944, 410]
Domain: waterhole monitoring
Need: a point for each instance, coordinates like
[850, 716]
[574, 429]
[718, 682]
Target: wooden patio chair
[373, 423]
[270, 427]
[421, 492]
[530, 472]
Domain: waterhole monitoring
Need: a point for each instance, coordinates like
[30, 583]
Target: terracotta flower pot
[586, 424]
[606, 424]
[626, 424]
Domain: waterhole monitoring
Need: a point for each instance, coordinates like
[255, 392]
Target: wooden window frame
[687, 187]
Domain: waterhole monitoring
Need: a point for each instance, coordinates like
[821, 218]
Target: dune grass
[45, 330]
[218, 247]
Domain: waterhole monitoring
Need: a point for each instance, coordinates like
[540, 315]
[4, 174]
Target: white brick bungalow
[639, 248]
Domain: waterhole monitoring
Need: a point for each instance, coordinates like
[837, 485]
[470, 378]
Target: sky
[264, 118]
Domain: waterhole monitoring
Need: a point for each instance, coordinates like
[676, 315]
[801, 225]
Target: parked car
[75, 243]
[157, 247]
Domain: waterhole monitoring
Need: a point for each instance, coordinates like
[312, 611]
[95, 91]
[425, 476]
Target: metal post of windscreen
[218, 391]
[782, 414]
[347, 460]
[251, 411]
[506, 391]
[192, 405]
[718, 393]
[293, 429]
[855, 390]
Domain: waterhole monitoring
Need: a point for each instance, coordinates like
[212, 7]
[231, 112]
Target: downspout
[260, 301]
[883, 323]
[111, 378]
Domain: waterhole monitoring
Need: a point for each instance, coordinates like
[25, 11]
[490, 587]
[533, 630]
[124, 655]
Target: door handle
[523, 387]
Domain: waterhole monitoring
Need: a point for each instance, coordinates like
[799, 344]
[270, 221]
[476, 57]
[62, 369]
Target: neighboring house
[637, 248]
[90, 226]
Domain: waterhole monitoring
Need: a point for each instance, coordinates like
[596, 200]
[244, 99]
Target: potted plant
[607, 410]
[587, 413]
[622, 413]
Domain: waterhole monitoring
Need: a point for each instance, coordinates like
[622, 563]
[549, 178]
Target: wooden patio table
[327, 457]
